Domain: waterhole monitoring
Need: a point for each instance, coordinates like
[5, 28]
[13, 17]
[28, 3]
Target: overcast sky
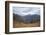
[22, 11]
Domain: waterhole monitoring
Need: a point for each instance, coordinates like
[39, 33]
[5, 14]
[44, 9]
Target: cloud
[26, 10]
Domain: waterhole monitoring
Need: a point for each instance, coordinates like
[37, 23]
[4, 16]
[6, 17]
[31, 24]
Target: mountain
[17, 17]
[27, 18]
[30, 18]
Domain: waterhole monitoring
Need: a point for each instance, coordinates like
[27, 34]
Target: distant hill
[30, 18]
[27, 18]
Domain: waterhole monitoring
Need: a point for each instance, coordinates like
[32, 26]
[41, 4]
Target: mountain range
[27, 18]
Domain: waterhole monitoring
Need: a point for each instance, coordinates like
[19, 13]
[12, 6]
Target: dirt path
[17, 24]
